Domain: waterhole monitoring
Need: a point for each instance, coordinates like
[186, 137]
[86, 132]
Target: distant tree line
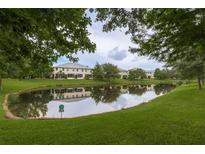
[109, 71]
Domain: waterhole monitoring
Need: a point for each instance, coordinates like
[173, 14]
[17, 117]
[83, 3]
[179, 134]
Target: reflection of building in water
[124, 89]
[147, 87]
[150, 87]
[77, 94]
[70, 94]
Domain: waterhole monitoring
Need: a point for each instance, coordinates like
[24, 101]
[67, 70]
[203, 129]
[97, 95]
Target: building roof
[122, 70]
[146, 71]
[72, 65]
[152, 71]
[132, 69]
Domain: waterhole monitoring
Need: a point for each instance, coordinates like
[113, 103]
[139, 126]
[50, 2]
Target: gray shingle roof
[152, 71]
[72, 65]
[122, 70]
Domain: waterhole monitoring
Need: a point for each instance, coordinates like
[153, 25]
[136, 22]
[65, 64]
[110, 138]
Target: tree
[161, 74]
[31, 104]
[41, 36]
[110, 71]
[167, 35]
[191, 70]
[137, 74]
[137, 89]
[171, 73]
[157, 73]
[103, 94]
[97, 72]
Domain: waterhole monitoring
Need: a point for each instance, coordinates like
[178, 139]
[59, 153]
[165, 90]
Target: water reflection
[106, 94]
[82, 101]
[32, 104]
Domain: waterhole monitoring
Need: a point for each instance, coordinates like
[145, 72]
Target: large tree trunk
[199, 83]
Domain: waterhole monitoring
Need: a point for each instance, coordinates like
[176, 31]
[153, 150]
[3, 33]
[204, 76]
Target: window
[80, 75]
[85, 70]
[70, 75]
[56, 69]
[63, 69]
[70, 90]
[82, 70]
[77, 70]
[73, 70]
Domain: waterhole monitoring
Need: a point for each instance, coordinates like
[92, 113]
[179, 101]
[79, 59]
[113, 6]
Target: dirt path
[8, 113]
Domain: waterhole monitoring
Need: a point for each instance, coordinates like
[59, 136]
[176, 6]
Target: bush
[87, 77]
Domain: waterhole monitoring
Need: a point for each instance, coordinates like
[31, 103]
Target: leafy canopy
[40, 36]
[172, 36]
[105, 71]
[137, 74]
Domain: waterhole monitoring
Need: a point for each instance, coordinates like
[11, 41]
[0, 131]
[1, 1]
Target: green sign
[61, 107]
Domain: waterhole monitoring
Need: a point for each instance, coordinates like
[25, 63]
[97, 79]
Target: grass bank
[175, 118]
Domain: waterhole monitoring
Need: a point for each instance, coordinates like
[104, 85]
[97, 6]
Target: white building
[150, 74]
[71, 71]
[123, 73]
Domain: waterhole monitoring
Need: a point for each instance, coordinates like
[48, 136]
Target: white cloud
[117, 54]
[106, 50]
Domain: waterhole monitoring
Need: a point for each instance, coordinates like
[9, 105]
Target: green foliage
[137, 74]
[98, 72]
[167, 35]
[191, 70]
[161, 74]
[105, 71]
[88, 76]
[110, 71]
[157, 73]
[31, 39]
[166, 74]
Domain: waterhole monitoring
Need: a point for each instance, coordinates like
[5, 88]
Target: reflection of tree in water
[106, 94]
[96, 93]
[32, 104]
[137, 89]
[163, 88]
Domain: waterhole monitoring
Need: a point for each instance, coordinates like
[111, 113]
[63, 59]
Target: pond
[82, 101]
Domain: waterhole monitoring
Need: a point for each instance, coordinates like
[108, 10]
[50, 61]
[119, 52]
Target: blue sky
[112, 47]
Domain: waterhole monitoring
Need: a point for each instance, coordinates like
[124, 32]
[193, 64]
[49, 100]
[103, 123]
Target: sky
[112, 47]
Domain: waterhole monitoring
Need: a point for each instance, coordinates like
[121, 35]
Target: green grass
[175, 118]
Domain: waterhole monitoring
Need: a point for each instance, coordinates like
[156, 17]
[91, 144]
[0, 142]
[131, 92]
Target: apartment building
[150, 74]
[71, 71]
[123, 73]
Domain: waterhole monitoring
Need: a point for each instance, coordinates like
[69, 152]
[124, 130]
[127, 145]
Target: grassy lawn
[175, 118]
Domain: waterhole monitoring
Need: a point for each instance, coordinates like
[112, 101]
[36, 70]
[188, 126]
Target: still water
[82, 101]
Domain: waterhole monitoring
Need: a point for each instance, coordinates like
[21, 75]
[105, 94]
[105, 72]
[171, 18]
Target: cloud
[117, 54]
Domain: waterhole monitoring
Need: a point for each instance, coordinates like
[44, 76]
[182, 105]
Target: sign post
[61, 109]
